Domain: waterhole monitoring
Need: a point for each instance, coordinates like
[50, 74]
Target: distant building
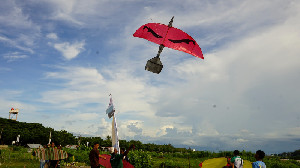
[71, 146]
[106, 149]
[33, 146]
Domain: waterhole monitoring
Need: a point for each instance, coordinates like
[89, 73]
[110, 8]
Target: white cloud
[70, 51]
[81, 116]
[83, 85]
[15, 43]
[105, 128]
[52, 36]
[67, 17]
[18, 30]
[12, 15]
[77, 76]
[64, 11]
[14, 56]
[84, 14]
[241, 140]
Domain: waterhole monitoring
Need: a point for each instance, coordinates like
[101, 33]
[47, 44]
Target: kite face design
[187, 41]
[153, 33]
[167, 36]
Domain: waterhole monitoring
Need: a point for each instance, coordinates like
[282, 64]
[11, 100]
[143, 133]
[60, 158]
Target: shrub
[140, 159]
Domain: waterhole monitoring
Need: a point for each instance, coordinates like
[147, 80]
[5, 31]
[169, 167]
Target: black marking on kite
[187, 41]
[151, 31]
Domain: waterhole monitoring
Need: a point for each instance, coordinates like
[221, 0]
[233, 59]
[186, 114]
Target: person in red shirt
[94, 156]
[228, 165]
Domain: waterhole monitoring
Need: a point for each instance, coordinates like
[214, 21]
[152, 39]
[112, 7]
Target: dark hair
[260, 154]
[236, 152]
[95, 144]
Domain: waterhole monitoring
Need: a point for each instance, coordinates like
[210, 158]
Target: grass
[17, 159]
[179, 162]
[220, 162]
[20, 158]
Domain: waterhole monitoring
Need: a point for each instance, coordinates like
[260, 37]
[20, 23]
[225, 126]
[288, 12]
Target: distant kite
[167, 36]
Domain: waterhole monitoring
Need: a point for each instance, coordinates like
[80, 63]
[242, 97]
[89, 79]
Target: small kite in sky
[167, 36]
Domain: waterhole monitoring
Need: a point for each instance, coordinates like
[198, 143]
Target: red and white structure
[13, 114]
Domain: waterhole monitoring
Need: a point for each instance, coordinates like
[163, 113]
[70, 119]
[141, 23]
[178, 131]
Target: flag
[114, 137]
[110, 109]
[50, 138]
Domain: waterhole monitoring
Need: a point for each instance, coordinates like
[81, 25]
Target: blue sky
[60, 60]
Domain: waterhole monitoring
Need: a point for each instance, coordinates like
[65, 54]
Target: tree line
[35, 133]
[31, 133]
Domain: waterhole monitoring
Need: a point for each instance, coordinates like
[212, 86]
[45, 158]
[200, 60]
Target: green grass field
[220, 162]
[19, 160]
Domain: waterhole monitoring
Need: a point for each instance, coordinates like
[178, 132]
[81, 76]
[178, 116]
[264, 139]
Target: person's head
[96, 145]
[236, 152]
[122, 150]
[259, 155]
[52, 144]
[112, 150]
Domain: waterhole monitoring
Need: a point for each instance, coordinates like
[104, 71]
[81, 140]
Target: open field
[220, 162]
[17, 160]
[18, 157]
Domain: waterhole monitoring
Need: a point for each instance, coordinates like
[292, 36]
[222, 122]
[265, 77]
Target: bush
[277, 163]
[19, 148]
[169, 164]
[140, 159]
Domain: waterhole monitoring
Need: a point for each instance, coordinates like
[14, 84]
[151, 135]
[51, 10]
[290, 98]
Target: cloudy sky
[60, 60]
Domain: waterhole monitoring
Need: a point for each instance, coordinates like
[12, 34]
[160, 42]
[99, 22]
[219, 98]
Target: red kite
[106, 162]
[167, 36]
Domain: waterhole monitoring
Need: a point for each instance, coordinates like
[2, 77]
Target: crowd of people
[237, 162]
[50, 156]
[116, 160]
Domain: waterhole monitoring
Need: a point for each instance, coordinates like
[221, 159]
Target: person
[236, 160]
[45, 155]
[123, 150]
[41, 156]
[94, 156]
[259, 157]
[53, 156]
[60, 153]
[116, 159]
[228, 165]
